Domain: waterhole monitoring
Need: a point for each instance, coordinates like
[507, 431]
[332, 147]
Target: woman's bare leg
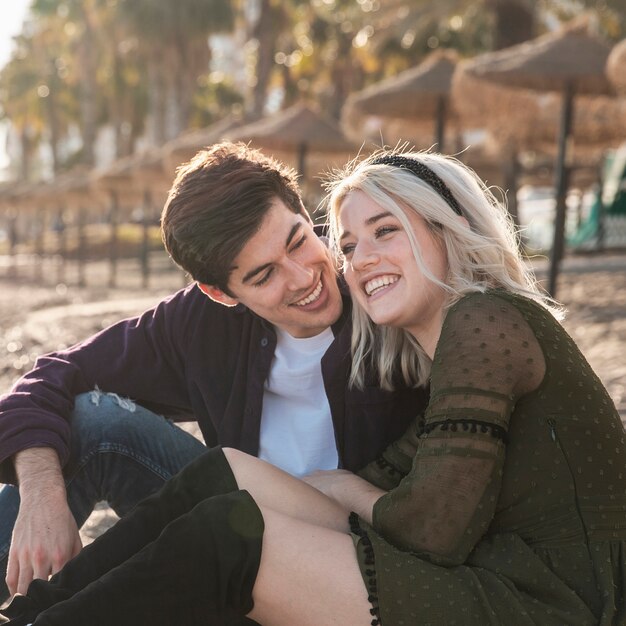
[279, 491]
[308, 576]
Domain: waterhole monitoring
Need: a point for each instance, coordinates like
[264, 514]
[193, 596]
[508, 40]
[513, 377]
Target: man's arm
[45, 536]
[141, 358]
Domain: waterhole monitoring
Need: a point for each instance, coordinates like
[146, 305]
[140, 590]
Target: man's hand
[45, 536]
[348, 489]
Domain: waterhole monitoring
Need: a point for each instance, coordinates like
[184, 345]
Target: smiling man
[261, 364]
[285, 275]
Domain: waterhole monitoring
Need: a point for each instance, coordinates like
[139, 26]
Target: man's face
[285, 274]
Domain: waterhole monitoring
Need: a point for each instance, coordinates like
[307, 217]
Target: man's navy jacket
[190, 358]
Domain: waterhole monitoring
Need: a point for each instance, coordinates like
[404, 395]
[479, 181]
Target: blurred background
[101, 100]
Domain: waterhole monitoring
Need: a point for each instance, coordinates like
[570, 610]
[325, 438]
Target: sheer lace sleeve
[396, 460]
[486, 358]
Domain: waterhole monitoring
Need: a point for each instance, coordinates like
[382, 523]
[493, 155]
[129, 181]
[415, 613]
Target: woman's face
[382, 272]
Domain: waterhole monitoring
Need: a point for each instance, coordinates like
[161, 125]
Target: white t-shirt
[296, 426]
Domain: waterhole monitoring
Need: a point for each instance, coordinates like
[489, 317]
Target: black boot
[200, 571]
[21, 612]
[208, 475]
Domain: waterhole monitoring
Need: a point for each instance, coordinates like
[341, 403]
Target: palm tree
[123, 82]
[21, 105]
[174, 39]
[82, 17]
[273, 17]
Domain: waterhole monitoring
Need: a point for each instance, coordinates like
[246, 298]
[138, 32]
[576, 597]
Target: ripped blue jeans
[120, 453]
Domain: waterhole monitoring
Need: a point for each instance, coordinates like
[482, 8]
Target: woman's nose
[363, 255]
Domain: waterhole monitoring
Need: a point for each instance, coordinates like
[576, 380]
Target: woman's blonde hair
[484, 256]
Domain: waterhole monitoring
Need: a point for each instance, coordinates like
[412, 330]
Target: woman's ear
[463, 221]
[217, 295]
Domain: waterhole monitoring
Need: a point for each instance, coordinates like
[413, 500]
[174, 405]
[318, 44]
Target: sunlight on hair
[481, 245]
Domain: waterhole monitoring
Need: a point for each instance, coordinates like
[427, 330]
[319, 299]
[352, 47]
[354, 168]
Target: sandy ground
[36, 318]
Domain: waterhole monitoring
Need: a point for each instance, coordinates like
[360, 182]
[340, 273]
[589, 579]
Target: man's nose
[300, 275]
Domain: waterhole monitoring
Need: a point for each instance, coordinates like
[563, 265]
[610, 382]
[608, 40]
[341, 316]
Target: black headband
[423, 172]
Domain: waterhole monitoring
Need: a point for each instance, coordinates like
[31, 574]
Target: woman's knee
[233, 455]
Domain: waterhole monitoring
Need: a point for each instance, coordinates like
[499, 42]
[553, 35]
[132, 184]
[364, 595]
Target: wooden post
[61, 244]
[561, 184]
[440, 122]
[13, 241]
[40, 231]
[145, 239]
[113, 251]
[81, 247]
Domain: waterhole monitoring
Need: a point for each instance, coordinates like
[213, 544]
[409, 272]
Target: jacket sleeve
[487, 357]
[142, 358]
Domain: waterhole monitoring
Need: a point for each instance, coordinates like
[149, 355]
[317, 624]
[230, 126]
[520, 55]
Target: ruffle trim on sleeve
[386, 466]
[468, 425]
[370, 571]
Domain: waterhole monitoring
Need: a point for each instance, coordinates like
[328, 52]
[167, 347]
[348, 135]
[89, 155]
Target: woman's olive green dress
[507, 498]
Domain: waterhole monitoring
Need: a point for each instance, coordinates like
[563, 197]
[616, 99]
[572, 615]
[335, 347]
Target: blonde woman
[504, 503]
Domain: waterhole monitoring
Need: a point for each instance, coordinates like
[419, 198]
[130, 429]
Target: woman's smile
[380, 283]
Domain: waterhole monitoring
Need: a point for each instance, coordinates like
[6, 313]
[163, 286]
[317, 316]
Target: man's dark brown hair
[217, 203]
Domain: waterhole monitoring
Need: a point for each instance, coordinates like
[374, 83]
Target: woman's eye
[347, 250]
[381, 231]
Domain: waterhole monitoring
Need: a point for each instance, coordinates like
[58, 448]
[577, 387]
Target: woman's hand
[347, 489]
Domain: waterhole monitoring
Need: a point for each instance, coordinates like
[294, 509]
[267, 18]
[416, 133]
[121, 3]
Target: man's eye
[299, 243]
[265, 278]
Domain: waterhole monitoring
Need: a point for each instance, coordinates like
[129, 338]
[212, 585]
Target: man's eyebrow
[292, 233]
[369, 221]
[257, 270]
[252, 273]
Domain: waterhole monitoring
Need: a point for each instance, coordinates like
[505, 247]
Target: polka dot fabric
[507, 498]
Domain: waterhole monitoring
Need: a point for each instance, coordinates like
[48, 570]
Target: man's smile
[312, 297]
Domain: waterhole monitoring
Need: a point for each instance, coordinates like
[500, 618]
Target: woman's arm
[347, 489]
[487, 357]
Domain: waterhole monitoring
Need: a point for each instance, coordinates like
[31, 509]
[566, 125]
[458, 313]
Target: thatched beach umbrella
[130, 183]
[616, 66]
[300, 129]
[526, 119]
[34, 209]
[418, 94]
[129, 175]
[522, 124]
[571, 62]
[186, 145]
[73, 197]
[16, 204]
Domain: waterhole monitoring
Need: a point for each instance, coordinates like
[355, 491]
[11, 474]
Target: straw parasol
[186, 145]
[526, 119]
[299, 129]
[616, 66]
[132, 183]
[418, 94]
[522, 125]
[74, 189]
[571, 62]
[128, 176]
